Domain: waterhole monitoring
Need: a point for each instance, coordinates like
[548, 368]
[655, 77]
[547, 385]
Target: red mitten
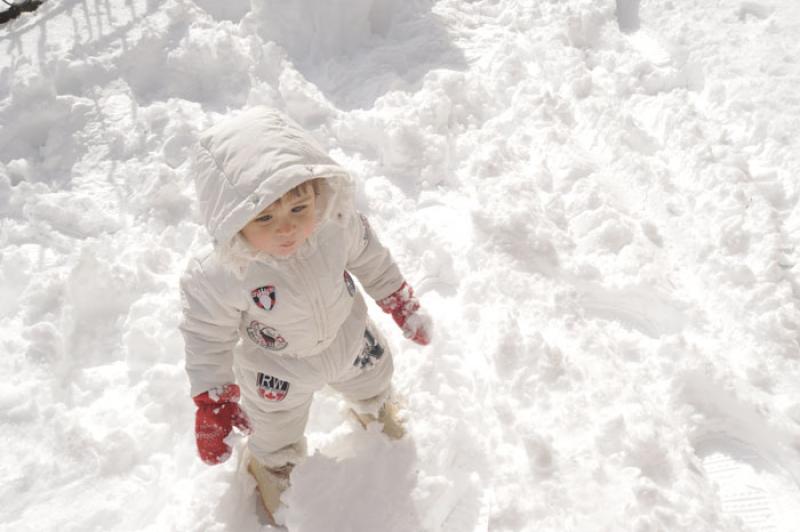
[217, 413]
[405, 310]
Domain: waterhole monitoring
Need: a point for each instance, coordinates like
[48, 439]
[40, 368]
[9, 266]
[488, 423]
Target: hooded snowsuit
[282, 327]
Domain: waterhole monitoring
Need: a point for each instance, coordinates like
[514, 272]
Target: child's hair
[302, 189]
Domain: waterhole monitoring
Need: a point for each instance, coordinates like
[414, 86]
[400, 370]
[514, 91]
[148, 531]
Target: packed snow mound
[597, 201]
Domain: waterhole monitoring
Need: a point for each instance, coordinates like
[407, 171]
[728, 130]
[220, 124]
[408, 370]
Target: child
[272, 313]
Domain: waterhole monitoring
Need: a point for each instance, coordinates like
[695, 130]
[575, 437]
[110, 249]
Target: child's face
[282, 227]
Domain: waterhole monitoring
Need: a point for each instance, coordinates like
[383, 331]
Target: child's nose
[285, 227]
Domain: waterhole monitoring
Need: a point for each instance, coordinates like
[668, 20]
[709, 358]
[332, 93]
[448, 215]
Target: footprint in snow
[757, 490]
[744, 458]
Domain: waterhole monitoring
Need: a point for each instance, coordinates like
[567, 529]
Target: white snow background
[596, 200]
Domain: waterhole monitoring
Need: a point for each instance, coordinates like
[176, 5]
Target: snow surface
[597, 200]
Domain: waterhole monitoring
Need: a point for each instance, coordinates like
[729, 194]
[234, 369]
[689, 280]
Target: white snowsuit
[282, 327]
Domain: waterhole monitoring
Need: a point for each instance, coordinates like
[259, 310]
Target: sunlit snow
[596, 200]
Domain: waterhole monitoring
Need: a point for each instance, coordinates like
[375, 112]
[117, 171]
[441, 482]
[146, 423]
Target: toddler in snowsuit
[272, 312]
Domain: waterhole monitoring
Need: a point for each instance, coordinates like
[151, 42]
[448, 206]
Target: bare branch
[15, 10]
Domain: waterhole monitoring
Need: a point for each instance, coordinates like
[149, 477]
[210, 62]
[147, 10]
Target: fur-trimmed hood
[244, 163]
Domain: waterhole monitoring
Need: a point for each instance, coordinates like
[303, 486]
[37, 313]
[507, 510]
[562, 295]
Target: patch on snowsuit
[351, 286]
[371, 353]
[264, 297]
[271, 388]
[265, 336]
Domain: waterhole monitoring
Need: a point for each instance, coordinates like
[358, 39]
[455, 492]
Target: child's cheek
[264, 241]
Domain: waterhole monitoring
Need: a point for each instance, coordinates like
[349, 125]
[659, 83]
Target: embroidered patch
[265, 336]
[264, 297]
[271, 388]
[351, 286]
[371, 353]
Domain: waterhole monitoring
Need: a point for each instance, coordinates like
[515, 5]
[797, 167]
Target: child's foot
[389, 416]
[271, 482]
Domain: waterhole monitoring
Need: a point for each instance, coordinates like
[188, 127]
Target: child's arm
[210, 328]
[210, 332]
[374, 266]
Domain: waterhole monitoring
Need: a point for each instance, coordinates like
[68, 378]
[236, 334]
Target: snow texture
[597, 202]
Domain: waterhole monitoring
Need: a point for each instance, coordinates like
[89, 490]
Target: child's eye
[299, 208]
[265, 218]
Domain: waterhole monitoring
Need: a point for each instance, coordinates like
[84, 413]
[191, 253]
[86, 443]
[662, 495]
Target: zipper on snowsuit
[317, 305]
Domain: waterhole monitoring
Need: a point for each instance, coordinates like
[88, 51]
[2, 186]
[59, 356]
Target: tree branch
[16, 10]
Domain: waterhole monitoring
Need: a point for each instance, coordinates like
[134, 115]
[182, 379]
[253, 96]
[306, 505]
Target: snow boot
[388, 415]
[271, 483]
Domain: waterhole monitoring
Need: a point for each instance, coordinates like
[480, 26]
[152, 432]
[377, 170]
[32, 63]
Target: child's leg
[366, 381]
[278, 411]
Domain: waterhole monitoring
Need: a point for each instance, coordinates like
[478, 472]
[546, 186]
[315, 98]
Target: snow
[597, 201]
